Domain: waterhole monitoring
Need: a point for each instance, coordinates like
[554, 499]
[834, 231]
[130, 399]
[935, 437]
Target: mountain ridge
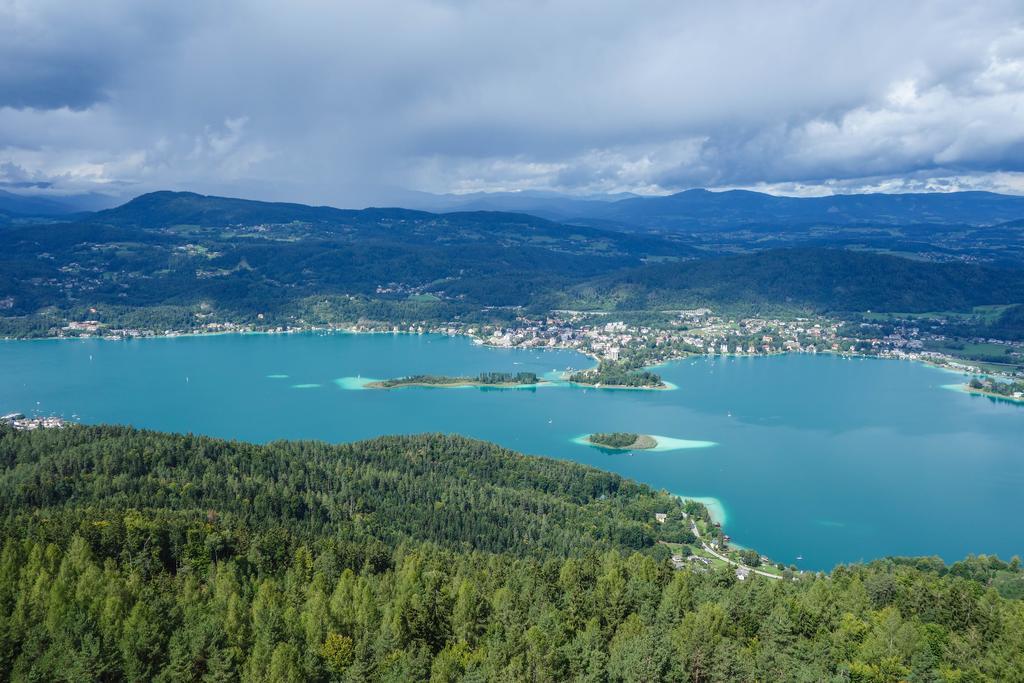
[247, 258]
[690, 209]
[700, 208]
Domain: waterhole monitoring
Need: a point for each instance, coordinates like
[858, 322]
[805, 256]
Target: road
[723, 558]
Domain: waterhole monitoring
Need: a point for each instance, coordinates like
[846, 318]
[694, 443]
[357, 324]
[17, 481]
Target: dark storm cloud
[337, 102]
[68, 54]
[44, 82]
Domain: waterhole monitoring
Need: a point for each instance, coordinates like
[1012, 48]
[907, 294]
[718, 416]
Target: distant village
[22, 423]
[696, 331]
[668, 335]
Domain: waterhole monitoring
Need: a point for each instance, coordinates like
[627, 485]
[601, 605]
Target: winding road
[723, 558]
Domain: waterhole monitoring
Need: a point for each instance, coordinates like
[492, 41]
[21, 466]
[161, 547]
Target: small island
[623, 440]
[484, 379]
[615, 375]
[987, 386]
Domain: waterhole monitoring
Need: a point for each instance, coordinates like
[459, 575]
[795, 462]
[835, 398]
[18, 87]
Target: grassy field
[983, 314]
[989, 357]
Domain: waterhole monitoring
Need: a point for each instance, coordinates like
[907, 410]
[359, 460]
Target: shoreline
[665, 386]
[938, 364]
[380, 384]
[968, 389]
[664, 444]
[643, 442]
[715, 506]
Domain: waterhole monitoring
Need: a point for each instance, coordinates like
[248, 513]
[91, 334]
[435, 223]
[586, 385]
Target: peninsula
[623, 440]
[988, 386]
[615, 375]
[484, 379]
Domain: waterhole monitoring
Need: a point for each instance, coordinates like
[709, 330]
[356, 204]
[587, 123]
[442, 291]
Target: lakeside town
[23, 423]
[640, 340]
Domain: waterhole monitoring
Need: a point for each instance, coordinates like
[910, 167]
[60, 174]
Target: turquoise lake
[827, 458]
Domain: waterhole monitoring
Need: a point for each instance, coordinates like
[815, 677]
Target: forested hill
[241, 258]
[453, 491]
[833, 280]
[164, 209]
[140, 556]
[177, 212]
[179, 260]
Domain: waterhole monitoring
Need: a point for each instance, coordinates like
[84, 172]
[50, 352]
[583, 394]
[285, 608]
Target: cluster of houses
[694, 331]
[761, 336]
[699, 331]
[22, 423]
[699, 562]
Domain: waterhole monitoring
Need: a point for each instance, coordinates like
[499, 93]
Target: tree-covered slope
[165, 209]
[449, 490]
[243, 257]
[133, 555]
[819, 279]
[179, 260]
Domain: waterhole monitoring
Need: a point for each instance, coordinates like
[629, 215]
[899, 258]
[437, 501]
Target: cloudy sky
[350, 102]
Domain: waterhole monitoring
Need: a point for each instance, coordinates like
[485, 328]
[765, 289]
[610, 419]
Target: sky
[356, 103]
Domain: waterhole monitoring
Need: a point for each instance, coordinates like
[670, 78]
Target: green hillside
[817, 279]
[131, 555]
[177, 260]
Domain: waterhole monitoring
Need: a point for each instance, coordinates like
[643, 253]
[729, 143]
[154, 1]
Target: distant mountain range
[688, 211]
[697, 210]
[14, 204]
[552, 205]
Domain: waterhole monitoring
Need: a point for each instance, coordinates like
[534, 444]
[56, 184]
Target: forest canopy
[133, 555]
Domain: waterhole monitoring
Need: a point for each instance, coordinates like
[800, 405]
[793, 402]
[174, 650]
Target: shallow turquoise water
[832, 459]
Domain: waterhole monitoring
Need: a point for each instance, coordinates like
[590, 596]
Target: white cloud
[336, 102]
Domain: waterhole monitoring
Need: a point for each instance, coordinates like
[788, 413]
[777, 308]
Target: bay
[820, 457]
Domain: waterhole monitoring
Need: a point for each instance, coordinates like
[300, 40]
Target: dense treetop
[445, 489]
[132, 555]
[614, 439]
[618, 375]
[814, 279]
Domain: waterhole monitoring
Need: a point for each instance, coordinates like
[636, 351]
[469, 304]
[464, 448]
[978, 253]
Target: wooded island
[989, 386]
[617, 375]
[484, 379]
[622, 440]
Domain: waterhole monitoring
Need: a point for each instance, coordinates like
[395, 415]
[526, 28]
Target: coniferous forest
[133, 555]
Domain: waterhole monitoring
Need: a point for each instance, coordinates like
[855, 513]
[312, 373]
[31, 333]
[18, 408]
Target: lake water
[831, 459]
